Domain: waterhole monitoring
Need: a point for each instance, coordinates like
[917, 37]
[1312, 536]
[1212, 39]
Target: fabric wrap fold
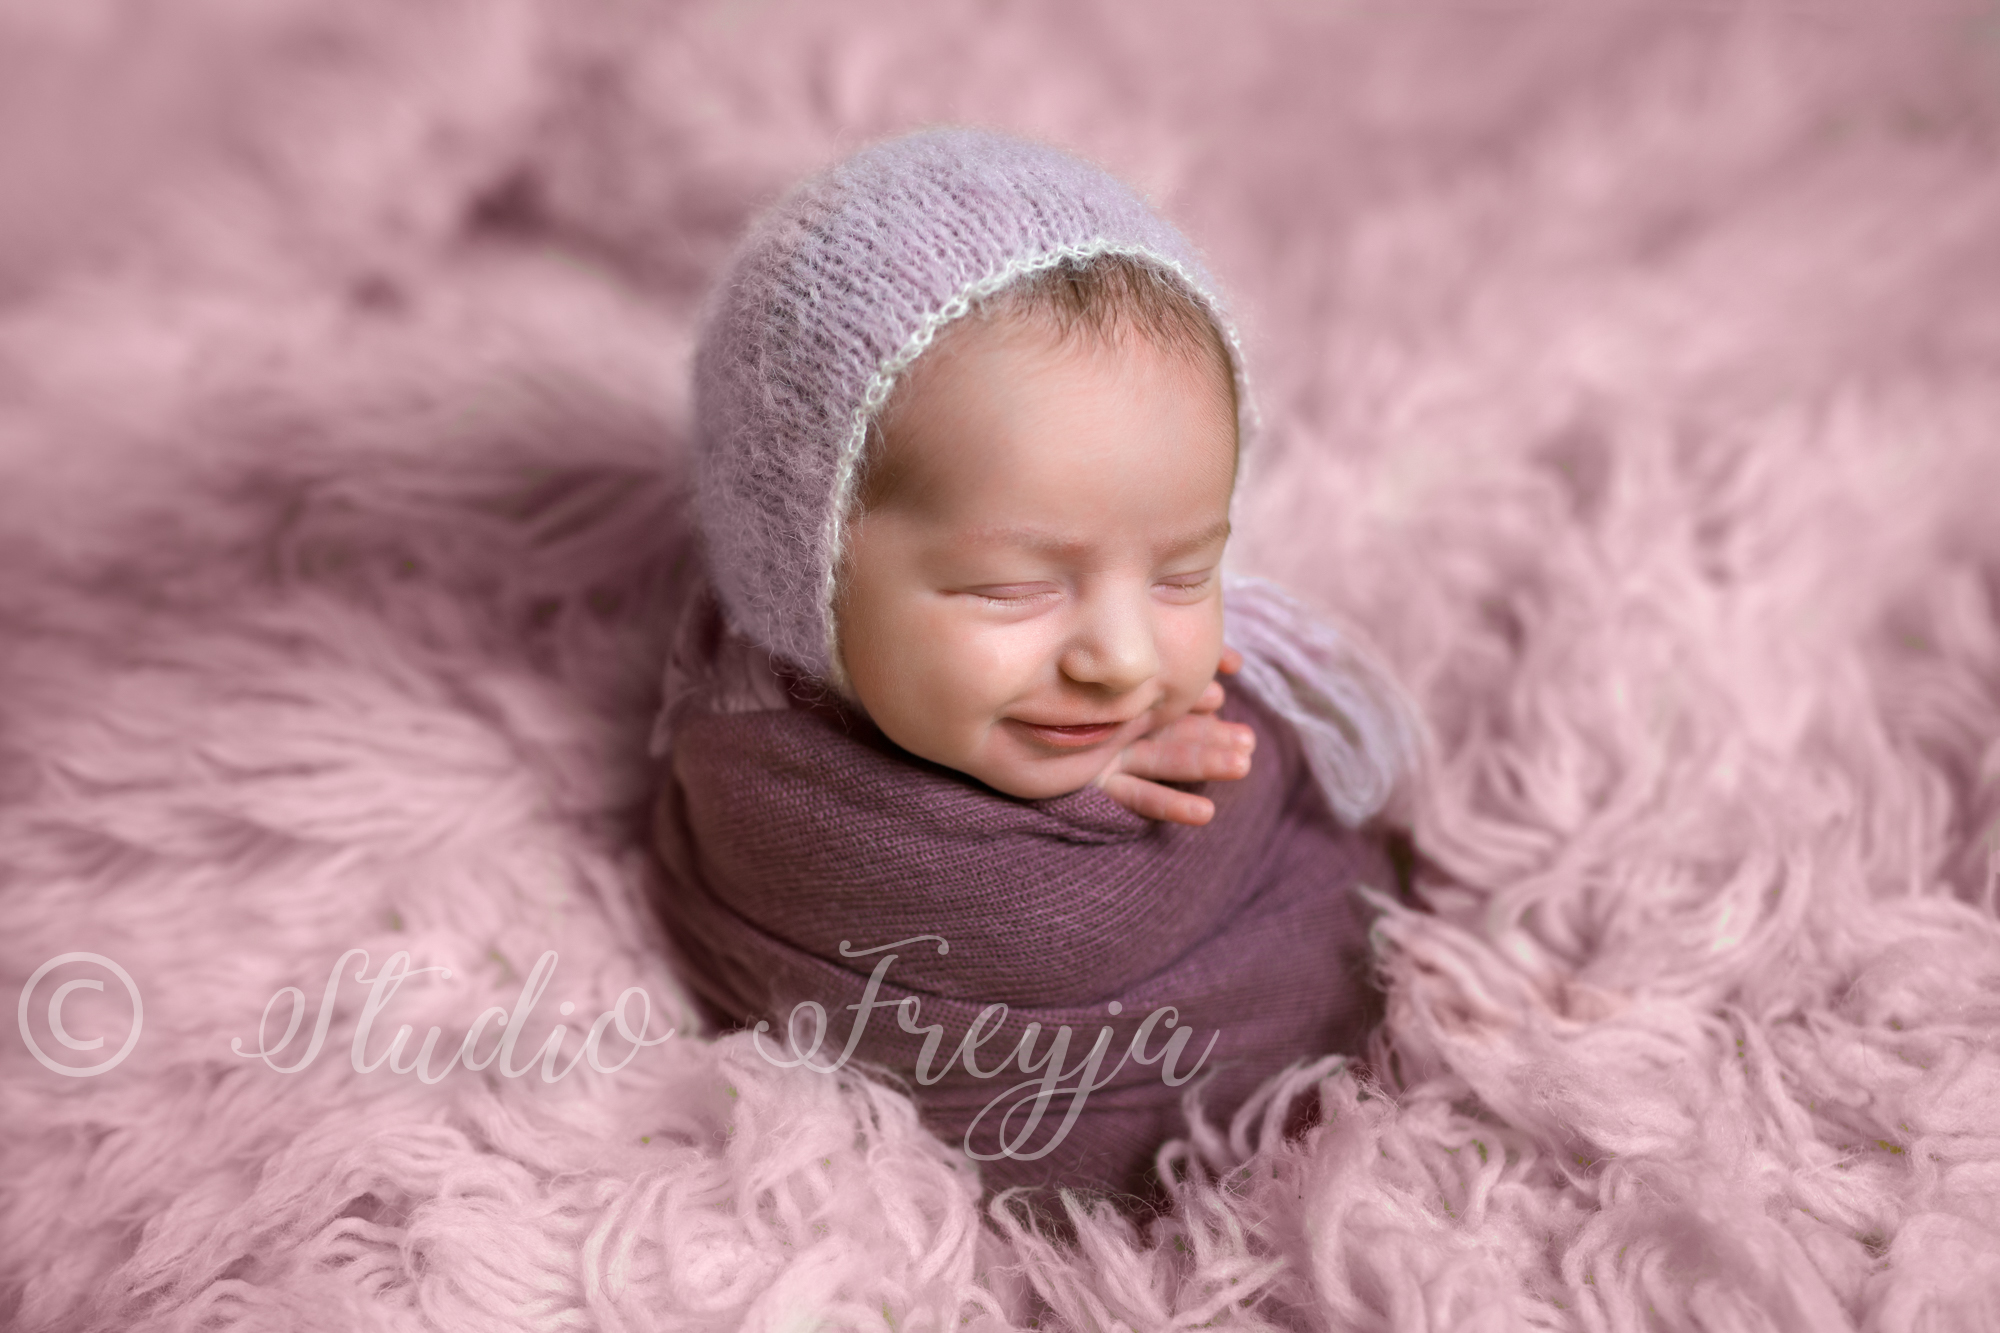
[799, 842]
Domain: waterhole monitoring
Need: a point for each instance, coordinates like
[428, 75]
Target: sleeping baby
[950, 791]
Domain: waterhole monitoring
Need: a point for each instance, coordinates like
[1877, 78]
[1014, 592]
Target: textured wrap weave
[789, 826]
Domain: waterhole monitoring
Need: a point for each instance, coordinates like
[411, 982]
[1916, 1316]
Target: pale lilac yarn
[837, 290]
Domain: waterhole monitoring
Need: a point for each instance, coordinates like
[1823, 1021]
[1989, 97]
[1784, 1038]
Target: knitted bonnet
[832, 296]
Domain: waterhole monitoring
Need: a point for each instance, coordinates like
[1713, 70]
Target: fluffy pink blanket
[1629, 376]
[1044, 977]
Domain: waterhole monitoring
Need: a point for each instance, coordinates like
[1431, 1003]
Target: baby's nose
[1113, 646]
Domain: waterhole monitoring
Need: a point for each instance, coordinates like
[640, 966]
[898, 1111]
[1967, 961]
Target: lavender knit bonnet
[832, 296]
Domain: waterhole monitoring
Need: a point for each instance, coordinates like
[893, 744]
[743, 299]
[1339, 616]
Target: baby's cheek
[985, 666]
[1192, 649]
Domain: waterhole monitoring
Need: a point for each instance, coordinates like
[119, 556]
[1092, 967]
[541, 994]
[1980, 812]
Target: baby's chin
[1035, 786]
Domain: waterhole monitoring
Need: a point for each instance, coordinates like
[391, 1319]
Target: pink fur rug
[1634, 381]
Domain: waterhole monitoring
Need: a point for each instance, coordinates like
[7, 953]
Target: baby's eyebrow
[1039, 539]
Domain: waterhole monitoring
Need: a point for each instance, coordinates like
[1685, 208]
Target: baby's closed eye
[1016, 594]
[1020, 594]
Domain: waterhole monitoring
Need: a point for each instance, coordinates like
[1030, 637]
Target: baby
[949, 787]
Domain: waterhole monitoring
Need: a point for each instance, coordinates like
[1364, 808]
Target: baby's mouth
[1077, 737]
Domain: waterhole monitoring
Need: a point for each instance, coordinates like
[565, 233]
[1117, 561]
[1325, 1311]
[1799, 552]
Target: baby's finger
[1217, 752]
[1210, 700]
[1149, 800]
[1207, 729]
[1231, 663]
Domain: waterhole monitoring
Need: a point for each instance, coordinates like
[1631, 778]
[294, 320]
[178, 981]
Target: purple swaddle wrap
[800, 841]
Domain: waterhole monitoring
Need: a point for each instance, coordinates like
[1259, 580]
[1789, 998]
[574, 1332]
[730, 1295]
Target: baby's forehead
[1008, 406]
[1064, 345]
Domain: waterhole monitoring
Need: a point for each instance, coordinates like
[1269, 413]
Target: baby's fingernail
[1246, 740]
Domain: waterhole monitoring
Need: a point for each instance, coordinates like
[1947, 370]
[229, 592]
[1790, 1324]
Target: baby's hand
[1196, 748]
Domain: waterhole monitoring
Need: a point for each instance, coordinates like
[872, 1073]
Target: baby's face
[1041, 583]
